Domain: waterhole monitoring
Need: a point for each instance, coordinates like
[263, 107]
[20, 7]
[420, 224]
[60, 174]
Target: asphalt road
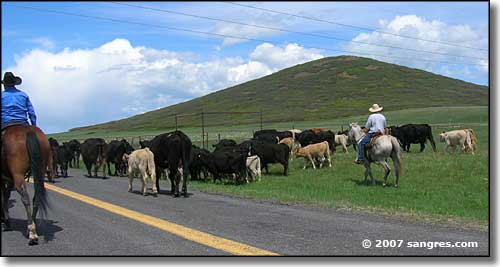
[76, 228]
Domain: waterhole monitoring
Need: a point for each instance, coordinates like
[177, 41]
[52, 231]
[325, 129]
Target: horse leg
[387, 170]
[22, 189]
[369, 171]
[6, 188]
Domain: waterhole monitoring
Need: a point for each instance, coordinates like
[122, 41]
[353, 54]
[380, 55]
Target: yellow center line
[206, 239]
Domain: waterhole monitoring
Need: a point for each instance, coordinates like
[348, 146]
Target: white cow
[462, 138]
[253, 167]
[342, 139]
[141, 162]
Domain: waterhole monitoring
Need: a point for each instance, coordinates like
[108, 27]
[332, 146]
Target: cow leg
[422, 146]
[89, 168]
[130, 180]
[109, 168]
[312, 161]
[96, 168]
[144, 176]
[285, 168]
[158, 171]
[185, 175]
[329, 160]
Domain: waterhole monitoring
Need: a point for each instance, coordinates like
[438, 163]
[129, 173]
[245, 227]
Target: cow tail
[186, 158]
[396, 157]
[151, 166]
[35, 158]
[431, 139]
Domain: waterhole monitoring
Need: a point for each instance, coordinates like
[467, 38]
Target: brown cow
[318, 151]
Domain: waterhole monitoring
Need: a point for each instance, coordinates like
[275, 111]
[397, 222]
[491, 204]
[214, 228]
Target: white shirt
[375, 123]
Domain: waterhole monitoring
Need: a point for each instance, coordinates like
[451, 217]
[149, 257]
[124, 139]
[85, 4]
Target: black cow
[267, 153]
[171, 151]
[114, 154]
[271, 136]
[94, 153]
[54, 147]
[224, 143]
[64, 156]
[413, 134]
[74, 147]
[145, 143]
[308, 137]
[225, 161]
[196, 166]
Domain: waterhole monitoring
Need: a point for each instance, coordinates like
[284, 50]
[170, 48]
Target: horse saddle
[373, 139]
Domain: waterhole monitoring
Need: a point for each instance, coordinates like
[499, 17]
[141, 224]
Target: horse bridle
[363, 134]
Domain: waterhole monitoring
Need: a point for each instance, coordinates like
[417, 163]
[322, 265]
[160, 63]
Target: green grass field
[434, 186]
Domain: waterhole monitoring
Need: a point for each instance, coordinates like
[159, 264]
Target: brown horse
[25, 149]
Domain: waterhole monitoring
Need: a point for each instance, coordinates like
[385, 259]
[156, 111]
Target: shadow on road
[98, 177]
[45, 228]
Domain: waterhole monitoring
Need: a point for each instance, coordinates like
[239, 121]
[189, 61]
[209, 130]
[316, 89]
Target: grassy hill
[323, 89]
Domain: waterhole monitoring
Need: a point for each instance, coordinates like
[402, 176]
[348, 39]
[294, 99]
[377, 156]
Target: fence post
[203, 129]
[218, 137]
[260, 119]
[207, 141]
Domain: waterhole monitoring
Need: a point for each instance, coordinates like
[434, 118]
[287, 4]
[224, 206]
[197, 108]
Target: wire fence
[214, 126]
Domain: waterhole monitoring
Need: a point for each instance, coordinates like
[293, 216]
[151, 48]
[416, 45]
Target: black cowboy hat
[9, 79]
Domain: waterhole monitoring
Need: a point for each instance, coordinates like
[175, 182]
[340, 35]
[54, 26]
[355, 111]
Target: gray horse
[384, 146]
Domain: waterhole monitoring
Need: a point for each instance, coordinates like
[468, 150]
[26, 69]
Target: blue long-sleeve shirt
[16, 107]
[376, 123]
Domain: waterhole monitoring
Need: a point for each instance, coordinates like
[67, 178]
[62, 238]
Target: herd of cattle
[174, 155]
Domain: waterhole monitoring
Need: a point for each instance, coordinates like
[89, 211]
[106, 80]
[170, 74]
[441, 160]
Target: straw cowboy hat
[9, 79]
[375, 108]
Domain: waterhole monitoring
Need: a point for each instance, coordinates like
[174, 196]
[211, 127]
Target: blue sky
[102, 71]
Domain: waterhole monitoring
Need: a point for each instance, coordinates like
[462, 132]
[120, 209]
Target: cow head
[443, 136]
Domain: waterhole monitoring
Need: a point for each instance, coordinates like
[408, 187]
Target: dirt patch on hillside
[346, 75]
[372, 67]
[302, 75]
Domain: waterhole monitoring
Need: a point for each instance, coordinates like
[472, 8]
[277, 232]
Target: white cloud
[412, 25]
[280, 57]
[72, 88]
[44, 42]
[264, 19]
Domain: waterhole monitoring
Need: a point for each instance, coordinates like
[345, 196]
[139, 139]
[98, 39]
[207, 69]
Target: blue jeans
[361, 145]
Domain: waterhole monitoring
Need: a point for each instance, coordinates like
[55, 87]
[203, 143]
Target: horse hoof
[33, 242]
[155, 194]
[176, 195]
[383, 184]
[7, 228]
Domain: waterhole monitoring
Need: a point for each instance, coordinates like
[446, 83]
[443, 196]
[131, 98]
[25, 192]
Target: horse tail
[35, 158]
[431, 139]
[396, 156]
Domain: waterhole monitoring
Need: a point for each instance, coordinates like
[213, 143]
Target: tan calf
[141, 161]
[290, 142]
[319, 151]
[462, 138]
